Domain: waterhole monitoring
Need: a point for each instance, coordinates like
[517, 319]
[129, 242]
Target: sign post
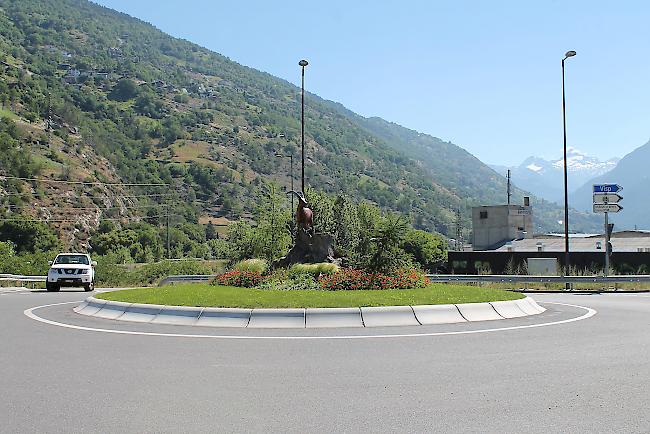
[606, 200]
[606, 244]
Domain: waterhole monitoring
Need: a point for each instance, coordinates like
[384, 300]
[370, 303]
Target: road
[591, 374]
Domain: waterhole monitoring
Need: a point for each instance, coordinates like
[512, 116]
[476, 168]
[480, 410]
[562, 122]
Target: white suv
[71, 269]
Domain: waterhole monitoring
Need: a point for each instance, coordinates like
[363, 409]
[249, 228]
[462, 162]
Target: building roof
[588, 244]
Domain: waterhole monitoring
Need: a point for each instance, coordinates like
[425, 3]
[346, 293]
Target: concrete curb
[309, 318]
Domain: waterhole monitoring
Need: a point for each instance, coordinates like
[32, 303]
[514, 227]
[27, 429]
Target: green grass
[205, 295]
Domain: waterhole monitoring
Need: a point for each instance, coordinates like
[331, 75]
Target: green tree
[124, 90]
[271, 236]
[425, 248]
[386, 254]
[29, 236]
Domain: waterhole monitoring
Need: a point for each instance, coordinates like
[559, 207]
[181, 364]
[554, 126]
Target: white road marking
[30, 313]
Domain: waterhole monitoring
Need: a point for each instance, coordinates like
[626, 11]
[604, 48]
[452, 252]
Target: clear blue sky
[483, 74]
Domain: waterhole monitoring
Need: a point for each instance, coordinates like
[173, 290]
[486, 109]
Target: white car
[71, 269]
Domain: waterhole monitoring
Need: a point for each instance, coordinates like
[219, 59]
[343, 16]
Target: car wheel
[51, 287]
[89, 287]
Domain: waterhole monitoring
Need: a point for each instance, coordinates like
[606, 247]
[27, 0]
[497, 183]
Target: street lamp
[566, 190]
[302, 64]
[290, 156]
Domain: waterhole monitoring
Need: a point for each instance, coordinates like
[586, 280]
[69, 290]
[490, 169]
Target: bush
[252, 265]
[426, 249]
[314, 269]
[244, 279]
[359, 280]
[291, 281]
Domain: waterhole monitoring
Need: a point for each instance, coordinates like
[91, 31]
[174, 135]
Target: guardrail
[442, 278]
[536, 279]
[187, 278]
[471, 278]
[20, 278]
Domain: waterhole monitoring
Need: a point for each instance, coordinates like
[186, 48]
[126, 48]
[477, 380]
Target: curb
[311, 317]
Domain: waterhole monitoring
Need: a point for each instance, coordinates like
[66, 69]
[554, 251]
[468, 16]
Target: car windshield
[71, 259]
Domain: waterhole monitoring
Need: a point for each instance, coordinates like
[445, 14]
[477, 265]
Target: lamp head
[303, 63]
[570, 54]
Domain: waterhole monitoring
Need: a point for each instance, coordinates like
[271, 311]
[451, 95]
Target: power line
[134, 196]
[57, 208]
[121, 184]
[78, 221]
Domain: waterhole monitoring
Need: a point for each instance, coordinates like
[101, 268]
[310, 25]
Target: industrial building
[503, 241]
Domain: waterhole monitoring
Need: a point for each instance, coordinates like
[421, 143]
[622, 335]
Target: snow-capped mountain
[545, 178]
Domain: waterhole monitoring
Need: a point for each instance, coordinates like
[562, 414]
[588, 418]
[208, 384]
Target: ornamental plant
[244, 279]
[350, 279]
[255, 265]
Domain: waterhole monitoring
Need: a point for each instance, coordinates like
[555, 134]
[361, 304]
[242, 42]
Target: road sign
[607, 188]
[607, 207]
[607, 197]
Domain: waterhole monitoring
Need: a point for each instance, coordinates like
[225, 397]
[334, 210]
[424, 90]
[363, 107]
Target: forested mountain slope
[90, 94]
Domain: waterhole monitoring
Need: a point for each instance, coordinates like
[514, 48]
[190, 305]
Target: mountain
[631, 173]
[92, 95]
[545, 178]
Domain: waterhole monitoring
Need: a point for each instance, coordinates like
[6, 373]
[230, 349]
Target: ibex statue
[304, 215]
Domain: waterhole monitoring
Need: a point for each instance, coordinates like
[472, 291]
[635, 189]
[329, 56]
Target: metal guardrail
[470, 278]
[433, 277]
[21, 278]
[186, 278]
[536, 279]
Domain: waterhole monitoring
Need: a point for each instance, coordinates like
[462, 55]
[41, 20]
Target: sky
[485, 75]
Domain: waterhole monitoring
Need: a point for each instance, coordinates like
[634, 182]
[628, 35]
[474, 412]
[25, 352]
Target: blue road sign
[607, 188]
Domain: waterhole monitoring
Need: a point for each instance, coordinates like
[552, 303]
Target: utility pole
[459, 230]
[168, 253]
[49, 118]
[509, 194]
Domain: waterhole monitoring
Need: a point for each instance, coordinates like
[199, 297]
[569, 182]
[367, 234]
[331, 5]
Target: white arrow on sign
[607, 207]
[606, 198]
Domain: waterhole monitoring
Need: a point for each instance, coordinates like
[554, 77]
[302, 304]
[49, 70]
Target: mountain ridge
[632, 173]
[160, 109]
[545, 177]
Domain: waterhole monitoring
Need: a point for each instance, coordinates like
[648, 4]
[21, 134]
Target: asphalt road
[588, 375]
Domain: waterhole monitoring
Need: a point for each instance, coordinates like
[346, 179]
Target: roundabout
[580, 366]
[379, 316]
[560, 313]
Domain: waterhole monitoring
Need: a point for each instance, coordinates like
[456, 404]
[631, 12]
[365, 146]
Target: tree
[271, 236]
[29, 236]
[124, 90]
[385, 253]
[211, 232]
[426, 249]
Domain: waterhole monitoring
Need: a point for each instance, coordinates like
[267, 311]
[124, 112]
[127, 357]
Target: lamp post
[290, 156]
[566, 190]
[302, 64]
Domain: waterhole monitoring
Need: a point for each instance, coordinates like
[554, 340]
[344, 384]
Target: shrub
[358, 280]
[252, 265]
[296, 281]
[244, 279]
[314, 269]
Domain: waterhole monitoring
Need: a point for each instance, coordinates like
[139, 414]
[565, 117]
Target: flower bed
[358, 280]
[342, 280]
[244, 279]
